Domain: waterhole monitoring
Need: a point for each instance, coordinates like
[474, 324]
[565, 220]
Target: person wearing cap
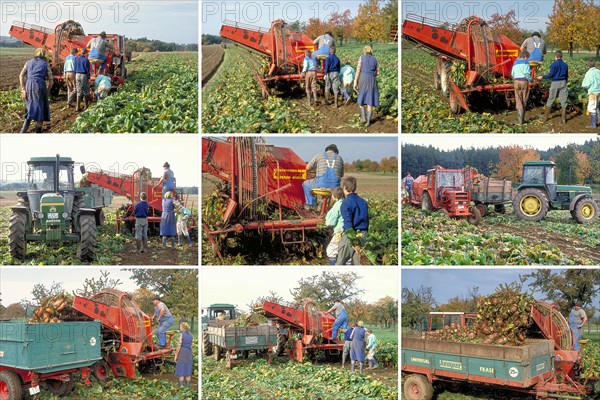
[69, 75]
[167, 180]
[341, 318]
[82, 79]
[536, 47]
[329, 169]
[365, 82]
[357, 352]
[184, 358]
[97, 47]
[36, 80]
[577, 319]
[168, 221]
[164, 318]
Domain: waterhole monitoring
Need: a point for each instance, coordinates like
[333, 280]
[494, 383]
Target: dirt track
[157, 256]
[212, 56]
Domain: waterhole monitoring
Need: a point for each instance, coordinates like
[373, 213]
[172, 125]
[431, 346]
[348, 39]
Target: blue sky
[262, 13]
[169, 21]
[351, 148]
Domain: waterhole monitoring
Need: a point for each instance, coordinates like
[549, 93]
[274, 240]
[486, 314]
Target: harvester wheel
[482, 209]
[500, 208]
[86, 251]
[281, 342]
[10, 386]
[101, 370]
[531, 204]
[426, 204]
[455, 106]
[17, 243]
[217, 351]
[586, 211]
[207, 348]
[418, 387]
[445, 78]
[60, 388]
[475, 216]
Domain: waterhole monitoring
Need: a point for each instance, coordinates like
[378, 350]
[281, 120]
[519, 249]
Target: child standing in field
[355, 213]
[309, 70]
[334, 218]
[347, 77]
[183, 214]
[141, 224]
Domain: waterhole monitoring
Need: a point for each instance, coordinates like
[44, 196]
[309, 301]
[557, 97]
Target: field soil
[212, 57]
[10, 68]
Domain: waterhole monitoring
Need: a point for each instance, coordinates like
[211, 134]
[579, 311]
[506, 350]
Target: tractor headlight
[39, 215]
[65, 215]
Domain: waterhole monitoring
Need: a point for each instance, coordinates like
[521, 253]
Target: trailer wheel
[426, 204]
[86, 251]
[281, 342]
[207, 348]
[475, 216]
[531, 204]
[482, 209]
[100, 370]
[586, 211]
[418, 387]
[10, 386]
[99, 217]
[60, 388]
[17, 243]
[500, 208]
[217, 351]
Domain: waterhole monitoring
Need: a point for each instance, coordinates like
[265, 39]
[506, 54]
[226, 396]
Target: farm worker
[341, 318]
[371, 347]
[34, 89]
[323, 43]
[521, 73]
[168, 221]
[536, 47]
[167, 179]
[366, 84]
[221, 316]
[103, 86]
[69, 74]
[347, 75]
[183, 355]
[82, 79]
[332, 76]
[577, 319]
[591, 82]
[408, 182]
[183, 214]
[141, 224]
[559, 73]
[355, 212]
[329, 170]
[334, 218]
[164, 318]
[357, 352]
[347, 343]
[97, 47]
[309, 72]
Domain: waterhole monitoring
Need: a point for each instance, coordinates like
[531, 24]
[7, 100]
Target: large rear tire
[60, 388]
[531, 204]
[586, 211]
[475, 216]
[483, 210]
[99, 217]
[281, 342]
[10, 386]
[78, 204]
[17, 244]
[101, 370]
[207, 348]
[426, 204]
[86, 251]
[418, 387]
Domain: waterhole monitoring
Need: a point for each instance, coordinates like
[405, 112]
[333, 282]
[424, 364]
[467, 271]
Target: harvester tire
[207, 348]
[418, 387]
[17, 243]
[531, 204]
[475, 216]
[60, 388]
[500, 208]
[586, 211]
[483, 210]
[86, 251]
[445, 77]
[426, 204]
[101, 370]
[454, 104]
[281, 342]
[12, 382]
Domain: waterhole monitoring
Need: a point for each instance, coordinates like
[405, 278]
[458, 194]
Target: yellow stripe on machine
[282, 173]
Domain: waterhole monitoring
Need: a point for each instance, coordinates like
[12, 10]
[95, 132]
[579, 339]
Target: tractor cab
[218, 312]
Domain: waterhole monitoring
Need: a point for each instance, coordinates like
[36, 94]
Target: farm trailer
[59, 42]
[53, 210]
[470, 59]
[49, 355]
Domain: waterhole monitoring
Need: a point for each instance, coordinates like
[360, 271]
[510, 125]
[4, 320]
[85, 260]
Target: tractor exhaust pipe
[56, 173]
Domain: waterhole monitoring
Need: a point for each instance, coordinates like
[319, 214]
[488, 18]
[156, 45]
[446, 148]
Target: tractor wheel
[281, 342]
[426, 204]
[418, 387]
[531, 204]
[444, 211]
[10, 386]
[445, 77]
[78, 204]
[17, 243]
[483, 210]
[217, 351]
[500, 208]
[100, 217]
[86, 251]
[586, 211]
[101, 370]
[207, 348]
[475, 216]
[455, 106]
[60, 388]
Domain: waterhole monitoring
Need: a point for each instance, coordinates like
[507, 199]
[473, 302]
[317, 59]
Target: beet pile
[52, 309]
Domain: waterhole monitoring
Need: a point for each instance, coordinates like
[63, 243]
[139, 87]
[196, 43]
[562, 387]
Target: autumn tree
[385, 312]
[466, 303]
[341, 24]
[566, 163]
[143, 297]
[358, 310]
[390, 11]
[572, 24]
[584, 168]
[13, 311]
[416, 306]
[370, 25]
[315, 27]
[511, 159]
[323, 289]
[507, 25]
[389, 165]
[594, 159]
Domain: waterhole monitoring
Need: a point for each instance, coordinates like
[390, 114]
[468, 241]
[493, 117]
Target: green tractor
[538, 193]
[53, 210]
[215, 312]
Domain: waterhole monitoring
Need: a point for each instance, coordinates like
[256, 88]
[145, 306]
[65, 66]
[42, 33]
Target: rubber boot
[78, 103]
[178, 240]
[352, 366]
[144, 246]
[326, 100]
[546, 113]
[361, 367]
[172, 243]
[335, 100]
[86, 99]
[520, 117]
[369, 115]
[332, 260]
[564, 115]
[164, 242]
[316, 97]
[187, 383]
[25, 127]
[138, 246]
[593, 121]
[308, 99]
[363, 119]
[189, 240]
[180, 384]
[38, 129]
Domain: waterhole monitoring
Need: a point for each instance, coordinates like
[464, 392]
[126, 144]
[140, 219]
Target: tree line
[385, 165]
[575, 163]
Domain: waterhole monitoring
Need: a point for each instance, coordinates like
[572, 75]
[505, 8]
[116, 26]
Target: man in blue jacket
[82, 79]
[332, 76]
[355, 212]
[559, 73]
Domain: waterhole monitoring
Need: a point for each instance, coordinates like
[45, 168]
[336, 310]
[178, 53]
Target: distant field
[385, 334]
[9, 51]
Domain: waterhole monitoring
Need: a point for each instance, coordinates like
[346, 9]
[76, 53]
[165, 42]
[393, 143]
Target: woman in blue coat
[183, 355]
[365, 81]
[357, 354]
[168, 221]
[33, 79]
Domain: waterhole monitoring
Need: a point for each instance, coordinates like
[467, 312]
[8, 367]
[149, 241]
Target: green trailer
[46, 354]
